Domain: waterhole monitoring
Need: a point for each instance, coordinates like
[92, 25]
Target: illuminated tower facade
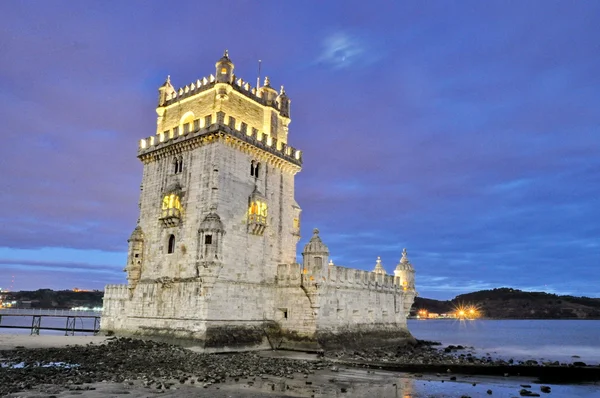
[217, 209]
[212, 259]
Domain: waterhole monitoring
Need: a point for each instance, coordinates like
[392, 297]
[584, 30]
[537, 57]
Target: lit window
[258, 212]
[171, 206]
[223, 71]
[296, 223]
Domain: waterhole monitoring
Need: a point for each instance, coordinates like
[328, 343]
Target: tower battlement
[206, 83]
[339, 276]
[200, 131]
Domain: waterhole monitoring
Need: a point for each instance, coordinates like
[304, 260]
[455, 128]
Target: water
[52, 318]
[560, 340]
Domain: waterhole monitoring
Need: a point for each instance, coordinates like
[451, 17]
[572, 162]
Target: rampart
[338, 276]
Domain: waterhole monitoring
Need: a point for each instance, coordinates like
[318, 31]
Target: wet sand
[332, 380]
[11, 341]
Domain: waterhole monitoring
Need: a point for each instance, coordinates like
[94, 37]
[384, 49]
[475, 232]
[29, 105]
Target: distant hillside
[507, 303]
[63, 299]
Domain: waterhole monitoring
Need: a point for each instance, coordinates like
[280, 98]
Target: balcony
[171, 217]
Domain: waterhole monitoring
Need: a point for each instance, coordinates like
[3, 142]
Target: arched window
[254, 166]
[171, 248]
[178, 165]
[186, 123]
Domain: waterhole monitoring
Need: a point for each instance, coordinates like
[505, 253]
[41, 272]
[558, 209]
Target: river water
[561, 340]
[50, 318]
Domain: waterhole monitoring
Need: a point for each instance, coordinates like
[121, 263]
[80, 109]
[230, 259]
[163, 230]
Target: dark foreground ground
[141, 368]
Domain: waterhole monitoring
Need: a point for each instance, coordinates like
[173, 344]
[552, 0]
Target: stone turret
[283, 103]
[315, 255]
[405, 273]
[165, 90]
[135, 257]
[224, 69]
[379, 268]
[268, 93]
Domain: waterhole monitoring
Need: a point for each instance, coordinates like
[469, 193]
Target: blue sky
[465, 131]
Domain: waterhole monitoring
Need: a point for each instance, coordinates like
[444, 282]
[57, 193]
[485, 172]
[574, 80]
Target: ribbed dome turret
[136, 235]
[212, 222]
[404, 264]
[315, 245]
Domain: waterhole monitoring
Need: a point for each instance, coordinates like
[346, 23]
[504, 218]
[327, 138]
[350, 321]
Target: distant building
[213, 256]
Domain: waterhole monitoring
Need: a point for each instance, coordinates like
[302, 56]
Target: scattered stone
[453, 378]
[527, 393]
[545, 389]
[489, 392]
[579, 363]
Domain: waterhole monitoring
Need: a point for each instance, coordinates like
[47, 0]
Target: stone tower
[212, 259]
[217, 209]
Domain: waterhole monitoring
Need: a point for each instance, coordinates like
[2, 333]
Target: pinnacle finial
[378, 267]
[404, 259]
[316, 231]
[226, 53]
[282, 91]
[168, 78]
[267, 81]
[331, 263]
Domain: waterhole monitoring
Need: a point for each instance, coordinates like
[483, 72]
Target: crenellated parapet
[338, 277]
[116, 292]
[153, 144]
[239, 85]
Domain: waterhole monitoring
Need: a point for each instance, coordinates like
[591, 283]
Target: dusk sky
[466, 131]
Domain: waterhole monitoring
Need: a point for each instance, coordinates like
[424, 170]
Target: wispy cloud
[343, 49]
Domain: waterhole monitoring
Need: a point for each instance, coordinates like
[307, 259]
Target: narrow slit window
[171, 248]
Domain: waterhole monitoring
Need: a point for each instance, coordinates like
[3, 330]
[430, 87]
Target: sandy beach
[116, 367]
